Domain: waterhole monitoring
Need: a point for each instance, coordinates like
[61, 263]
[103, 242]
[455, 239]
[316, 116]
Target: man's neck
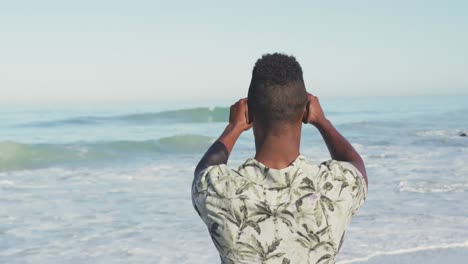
[278, 152]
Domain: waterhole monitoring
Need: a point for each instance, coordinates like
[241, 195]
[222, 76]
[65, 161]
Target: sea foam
[405, 251]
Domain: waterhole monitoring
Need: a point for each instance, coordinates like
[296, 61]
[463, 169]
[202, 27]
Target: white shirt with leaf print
[294, 215]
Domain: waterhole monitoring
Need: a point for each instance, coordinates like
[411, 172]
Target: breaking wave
[19, 156]
[194, 115]
[191, 115]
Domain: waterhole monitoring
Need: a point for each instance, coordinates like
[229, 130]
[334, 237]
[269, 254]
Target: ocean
[111, 183]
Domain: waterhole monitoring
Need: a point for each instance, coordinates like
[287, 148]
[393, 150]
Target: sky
[181, 51]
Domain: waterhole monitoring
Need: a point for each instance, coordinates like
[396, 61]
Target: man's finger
[305, 119]
[246, 112]
[231, 112]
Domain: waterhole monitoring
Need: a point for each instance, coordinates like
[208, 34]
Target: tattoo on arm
[215, 155]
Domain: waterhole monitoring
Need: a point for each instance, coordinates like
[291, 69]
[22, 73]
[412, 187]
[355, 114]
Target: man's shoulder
[301, 162]
[252, 163]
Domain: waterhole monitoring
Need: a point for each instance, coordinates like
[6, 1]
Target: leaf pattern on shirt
[290, 216]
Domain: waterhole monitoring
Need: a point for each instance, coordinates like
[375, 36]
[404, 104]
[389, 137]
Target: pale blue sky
[154, 51]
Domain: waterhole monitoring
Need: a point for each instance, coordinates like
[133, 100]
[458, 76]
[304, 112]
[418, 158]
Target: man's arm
[340, 149]
[219, 152]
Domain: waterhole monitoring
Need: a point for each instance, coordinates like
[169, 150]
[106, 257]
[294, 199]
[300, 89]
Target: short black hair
[277, 93]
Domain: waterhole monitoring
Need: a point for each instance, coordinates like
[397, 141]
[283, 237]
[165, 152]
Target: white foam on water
[7, 183]
[441, 133]
[428, 187]
[405, 251]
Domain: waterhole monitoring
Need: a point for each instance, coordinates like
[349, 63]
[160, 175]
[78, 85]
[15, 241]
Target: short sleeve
[203, 186]
[352, 189]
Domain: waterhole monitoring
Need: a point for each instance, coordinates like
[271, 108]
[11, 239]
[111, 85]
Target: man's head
[277, 94]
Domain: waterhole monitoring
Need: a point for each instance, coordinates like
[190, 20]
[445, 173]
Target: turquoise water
[111, 183]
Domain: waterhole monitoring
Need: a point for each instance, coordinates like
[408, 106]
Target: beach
[111, 183]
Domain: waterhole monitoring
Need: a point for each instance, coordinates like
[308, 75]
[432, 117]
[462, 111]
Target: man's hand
[314, 114]
[239, 115]
[219, 152]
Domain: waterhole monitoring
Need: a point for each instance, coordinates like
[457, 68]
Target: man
[278, 207]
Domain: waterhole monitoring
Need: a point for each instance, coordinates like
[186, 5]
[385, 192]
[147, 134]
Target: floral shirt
[296, 215]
